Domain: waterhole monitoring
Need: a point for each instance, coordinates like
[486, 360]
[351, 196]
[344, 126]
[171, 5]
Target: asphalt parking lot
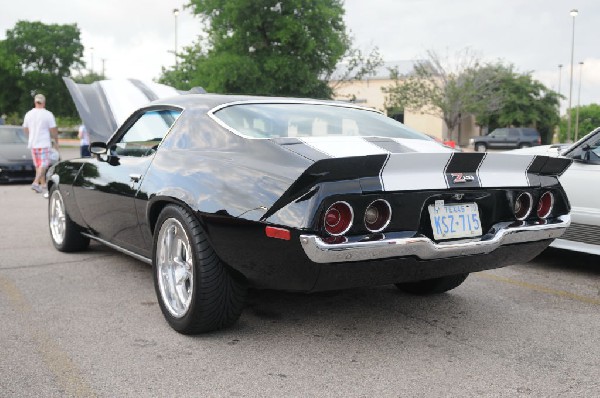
[88, 324]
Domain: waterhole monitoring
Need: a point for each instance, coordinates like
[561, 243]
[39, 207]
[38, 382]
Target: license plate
[451, 221]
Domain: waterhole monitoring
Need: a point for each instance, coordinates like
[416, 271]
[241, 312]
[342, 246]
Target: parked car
[507, 138]
[582, 184]
[221, 193]
[16, 164]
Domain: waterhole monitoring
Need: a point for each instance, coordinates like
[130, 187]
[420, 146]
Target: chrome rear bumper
[424, 248]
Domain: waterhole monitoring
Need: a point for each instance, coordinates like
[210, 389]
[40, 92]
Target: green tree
[437, 87]
[494, 93]
[10, 74]
[46, 53]
[589, 119]
[266, 47]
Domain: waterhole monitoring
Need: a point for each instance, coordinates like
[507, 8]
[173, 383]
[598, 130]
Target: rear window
[272, 120]
[530, 132]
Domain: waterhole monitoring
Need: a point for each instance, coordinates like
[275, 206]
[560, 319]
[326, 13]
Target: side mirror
[98, 148]
[589, 156]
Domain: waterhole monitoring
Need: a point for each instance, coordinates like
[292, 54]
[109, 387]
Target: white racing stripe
[422, 145]
[504, 170]
[414, 171]
[341, 147]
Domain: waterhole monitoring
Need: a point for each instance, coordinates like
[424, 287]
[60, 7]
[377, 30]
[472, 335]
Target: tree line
[294, 48]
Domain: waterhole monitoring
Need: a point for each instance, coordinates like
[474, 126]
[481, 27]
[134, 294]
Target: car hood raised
[104, 105]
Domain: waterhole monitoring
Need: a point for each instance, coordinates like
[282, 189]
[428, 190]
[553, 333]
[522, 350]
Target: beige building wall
[368, 93]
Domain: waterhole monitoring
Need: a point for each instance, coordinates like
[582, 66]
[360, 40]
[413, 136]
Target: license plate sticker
[451, 221]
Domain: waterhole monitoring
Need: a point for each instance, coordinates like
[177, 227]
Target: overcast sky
[136, 37]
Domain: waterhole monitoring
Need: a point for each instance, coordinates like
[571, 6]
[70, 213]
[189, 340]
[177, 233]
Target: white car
[581, 181]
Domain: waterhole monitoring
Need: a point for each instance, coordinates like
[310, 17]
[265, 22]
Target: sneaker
[36, 187]
[45, 192]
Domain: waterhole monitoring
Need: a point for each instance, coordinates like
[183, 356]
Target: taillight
[378, 215]
[523, 206]
[545, 205]
[338, 218]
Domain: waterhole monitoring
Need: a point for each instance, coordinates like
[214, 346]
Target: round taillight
[338, 218]
[378, 215]
[523, 206]
[545, 205]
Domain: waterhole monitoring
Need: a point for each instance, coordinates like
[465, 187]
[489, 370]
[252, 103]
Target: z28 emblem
[460, 177]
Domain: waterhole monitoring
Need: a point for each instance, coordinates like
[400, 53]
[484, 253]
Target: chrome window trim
[211, 112]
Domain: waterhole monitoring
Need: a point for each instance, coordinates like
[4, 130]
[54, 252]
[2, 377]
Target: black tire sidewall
[178, 213]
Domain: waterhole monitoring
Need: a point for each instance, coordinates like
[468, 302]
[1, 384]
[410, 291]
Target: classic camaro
[221, 193]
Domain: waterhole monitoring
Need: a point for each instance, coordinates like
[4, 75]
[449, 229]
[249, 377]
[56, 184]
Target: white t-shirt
[84, 135]
[39, 121]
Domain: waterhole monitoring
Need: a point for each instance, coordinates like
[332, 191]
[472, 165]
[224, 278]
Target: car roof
[203, 101]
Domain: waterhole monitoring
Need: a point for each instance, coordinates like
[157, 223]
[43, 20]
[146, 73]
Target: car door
[497, 139]
[107, 185]
[512, 139]
[582, 183]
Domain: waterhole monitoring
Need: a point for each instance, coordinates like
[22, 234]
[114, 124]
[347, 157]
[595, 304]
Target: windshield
[272, 120]
[12, 135]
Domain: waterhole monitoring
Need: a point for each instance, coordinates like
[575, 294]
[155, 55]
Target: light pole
[175, 14]
[559, 83]
[578, 102]
[91, 60]
[573, 13]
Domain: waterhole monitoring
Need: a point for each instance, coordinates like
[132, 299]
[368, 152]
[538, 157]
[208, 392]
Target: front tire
[433, 286]
[66, 235]
[196, 291]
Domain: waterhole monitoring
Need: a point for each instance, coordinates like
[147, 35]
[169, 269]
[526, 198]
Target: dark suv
[507, 138]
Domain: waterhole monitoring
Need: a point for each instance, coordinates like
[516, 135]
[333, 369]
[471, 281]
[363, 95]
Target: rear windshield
[272, 120]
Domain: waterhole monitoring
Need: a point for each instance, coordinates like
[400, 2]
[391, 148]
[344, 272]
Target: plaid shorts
[41, 157]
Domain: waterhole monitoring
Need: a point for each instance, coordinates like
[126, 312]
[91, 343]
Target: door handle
[135, 177]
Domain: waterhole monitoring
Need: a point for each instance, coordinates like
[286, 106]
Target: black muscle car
[221, 193]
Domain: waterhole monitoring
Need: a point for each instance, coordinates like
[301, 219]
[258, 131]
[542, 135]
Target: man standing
[40, 126]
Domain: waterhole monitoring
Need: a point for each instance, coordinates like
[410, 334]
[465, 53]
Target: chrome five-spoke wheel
[65, 233]
[175, 268]
[57, 217]
[196, 291]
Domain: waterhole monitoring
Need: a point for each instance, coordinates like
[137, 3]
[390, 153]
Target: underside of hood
[104, 105]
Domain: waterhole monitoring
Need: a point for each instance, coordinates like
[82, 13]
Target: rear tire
[196, 291]
[66, 235]
[433, 286]
[480, 148]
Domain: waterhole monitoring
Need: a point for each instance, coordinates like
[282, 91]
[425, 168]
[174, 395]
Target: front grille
[583, 233]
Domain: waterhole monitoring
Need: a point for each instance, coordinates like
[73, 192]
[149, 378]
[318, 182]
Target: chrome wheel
[175, 268]
[57, 217]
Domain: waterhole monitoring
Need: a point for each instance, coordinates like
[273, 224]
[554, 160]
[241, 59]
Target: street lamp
[573, 14]
[559, 81]
[175, 14]
[578, 102]
[91, 60]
